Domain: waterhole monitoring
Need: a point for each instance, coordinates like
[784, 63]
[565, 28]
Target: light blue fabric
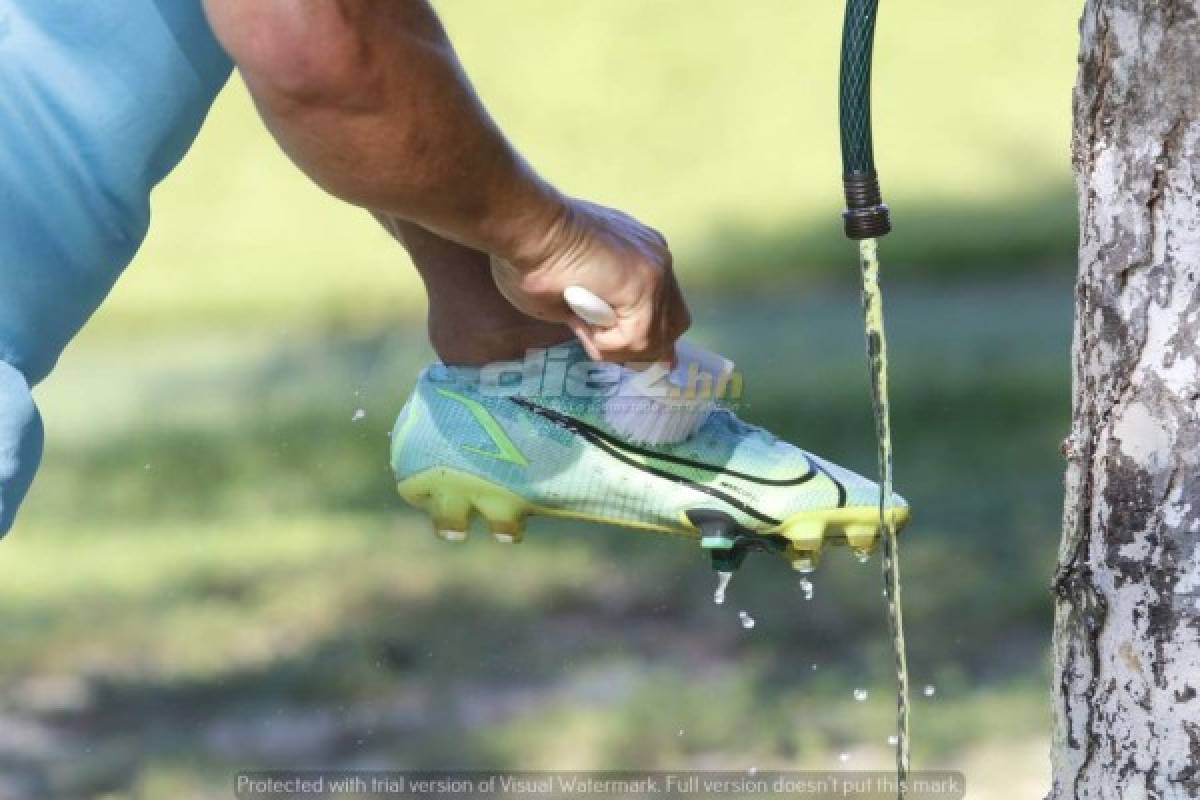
[99, 101]
[20, 442]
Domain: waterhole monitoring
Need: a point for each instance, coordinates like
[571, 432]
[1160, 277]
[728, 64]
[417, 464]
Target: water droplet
[930, 690]
[806, 586]
[844, 757]
[893, 740]
[747, 620]
[359, 414]
[723, 579]
[860, 695]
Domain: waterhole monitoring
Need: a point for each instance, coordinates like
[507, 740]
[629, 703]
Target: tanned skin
[370, 100]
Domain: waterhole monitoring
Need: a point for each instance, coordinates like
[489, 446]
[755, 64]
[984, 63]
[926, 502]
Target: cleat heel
[450, 497]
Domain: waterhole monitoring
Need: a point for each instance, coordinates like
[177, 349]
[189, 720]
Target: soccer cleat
[511, 440]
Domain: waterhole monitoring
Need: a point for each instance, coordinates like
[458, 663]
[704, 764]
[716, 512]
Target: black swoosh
[582, 427]
[607, 443]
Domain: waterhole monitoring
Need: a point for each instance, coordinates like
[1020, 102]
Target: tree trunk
[1127, 621]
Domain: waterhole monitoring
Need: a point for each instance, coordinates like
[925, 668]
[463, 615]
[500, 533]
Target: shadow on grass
[459, 680]
[560, 649]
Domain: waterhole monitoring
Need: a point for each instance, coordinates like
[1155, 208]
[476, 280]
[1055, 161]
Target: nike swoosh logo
[671, 466]
[505, 450]
[640, 453]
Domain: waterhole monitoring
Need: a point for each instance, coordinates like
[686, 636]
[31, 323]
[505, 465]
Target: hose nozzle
[866, 216]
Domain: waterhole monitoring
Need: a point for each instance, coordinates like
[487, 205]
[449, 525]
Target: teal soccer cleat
[471, 443]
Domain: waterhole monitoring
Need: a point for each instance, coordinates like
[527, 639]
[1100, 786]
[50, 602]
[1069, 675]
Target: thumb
[586, 335]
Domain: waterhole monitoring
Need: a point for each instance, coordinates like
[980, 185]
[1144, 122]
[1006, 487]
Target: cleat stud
[804, 564]
[451, 535]
[803, 560]
[717, 543]
[862, 536]
[718, 531]
[450, 513]
[505, 519]
[451, 498]
[805, 534]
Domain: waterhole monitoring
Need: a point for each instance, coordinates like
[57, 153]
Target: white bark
[1127, 622]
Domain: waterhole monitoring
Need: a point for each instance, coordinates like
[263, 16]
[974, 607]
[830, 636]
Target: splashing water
[359, 414]
[747, 620]
[806, 586]
[723, 579]
[930, 690]
[860, 695]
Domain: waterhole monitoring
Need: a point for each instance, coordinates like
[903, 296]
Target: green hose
[866, 217]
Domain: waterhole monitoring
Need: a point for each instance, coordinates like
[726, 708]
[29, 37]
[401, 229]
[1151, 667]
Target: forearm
[368, 98]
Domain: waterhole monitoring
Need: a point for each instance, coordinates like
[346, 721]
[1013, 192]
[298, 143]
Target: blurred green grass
[715, 121]
[221, 574]
[213, 570]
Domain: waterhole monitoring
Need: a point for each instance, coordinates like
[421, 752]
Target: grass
[713, 120]
[213, 570]
[233, 581]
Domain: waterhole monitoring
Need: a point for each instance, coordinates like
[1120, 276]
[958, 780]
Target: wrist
[522, 225]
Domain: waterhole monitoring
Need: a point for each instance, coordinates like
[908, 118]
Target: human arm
[369, 99]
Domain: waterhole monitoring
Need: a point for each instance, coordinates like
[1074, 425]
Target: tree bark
[1127, 618]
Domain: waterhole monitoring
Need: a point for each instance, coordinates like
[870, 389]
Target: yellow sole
[452, 498]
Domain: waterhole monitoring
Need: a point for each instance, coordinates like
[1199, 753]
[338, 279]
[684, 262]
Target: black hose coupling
[865, 217]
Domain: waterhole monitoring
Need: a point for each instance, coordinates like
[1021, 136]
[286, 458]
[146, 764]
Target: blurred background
[213, 571]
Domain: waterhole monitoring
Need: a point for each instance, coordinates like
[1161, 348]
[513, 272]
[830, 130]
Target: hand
[620, 260]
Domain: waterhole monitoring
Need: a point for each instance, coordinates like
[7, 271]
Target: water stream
[872, 299]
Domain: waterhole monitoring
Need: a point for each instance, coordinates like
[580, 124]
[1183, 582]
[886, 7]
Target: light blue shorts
[98, 103]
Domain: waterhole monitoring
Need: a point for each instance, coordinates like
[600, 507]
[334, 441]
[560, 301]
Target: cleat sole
[857, 527]
[452, 498]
